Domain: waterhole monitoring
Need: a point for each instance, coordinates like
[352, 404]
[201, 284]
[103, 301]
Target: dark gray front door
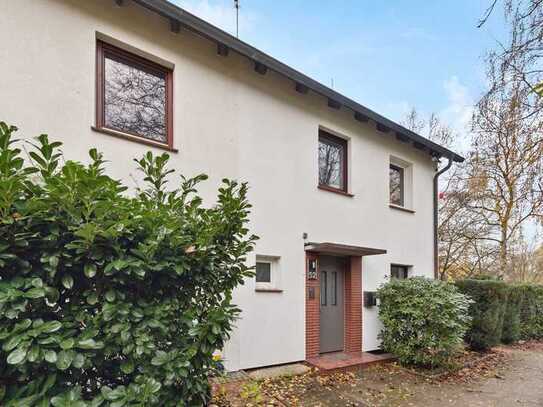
[331, 310]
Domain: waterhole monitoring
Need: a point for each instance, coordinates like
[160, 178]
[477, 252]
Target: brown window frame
[402, 185]
[330, 138]
[405, 268]
[104, 49]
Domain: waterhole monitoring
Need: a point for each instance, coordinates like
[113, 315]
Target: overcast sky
[388, 55]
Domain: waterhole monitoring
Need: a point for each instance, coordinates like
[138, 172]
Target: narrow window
[396, 175]
[334, 288]
[332, 162]
[399, 272]
[324, 287]
[263, 272]
[133, 95]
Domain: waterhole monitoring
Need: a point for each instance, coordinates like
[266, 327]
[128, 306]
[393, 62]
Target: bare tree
[524, 52]
[414, 122]
[505, 167]
[432, 128]
[525, 19]
[461, 251]
[527, 263]
[486, 204]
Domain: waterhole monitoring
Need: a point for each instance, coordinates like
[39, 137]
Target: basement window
[267, 276]
[133, 96]
[263, 272]
[399, 271]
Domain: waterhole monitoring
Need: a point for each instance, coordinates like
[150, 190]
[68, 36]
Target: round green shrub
[108, 298]
[487, 311]
[424, 321]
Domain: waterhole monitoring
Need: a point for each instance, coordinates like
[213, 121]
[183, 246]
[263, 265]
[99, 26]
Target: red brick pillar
[312, 310]
[353, 305]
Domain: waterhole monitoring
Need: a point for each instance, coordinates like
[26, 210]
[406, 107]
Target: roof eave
[203, 28]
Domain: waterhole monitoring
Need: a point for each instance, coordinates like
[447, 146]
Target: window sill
[401, 208]
[136, 139]
[334, 190]
[268, 290]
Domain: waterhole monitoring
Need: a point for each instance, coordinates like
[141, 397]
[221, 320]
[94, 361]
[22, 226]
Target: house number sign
[312, 270]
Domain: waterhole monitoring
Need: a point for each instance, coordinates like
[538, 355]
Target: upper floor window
[134, 95]
[332, 162]
[396, 179]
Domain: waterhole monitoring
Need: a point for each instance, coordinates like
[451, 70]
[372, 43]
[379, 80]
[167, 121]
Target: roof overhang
[179, 17]
[338, 249]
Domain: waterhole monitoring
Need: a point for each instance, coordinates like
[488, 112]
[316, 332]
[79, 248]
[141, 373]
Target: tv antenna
[236, 5]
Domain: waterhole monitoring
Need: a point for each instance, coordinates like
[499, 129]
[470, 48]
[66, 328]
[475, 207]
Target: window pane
[263, 272]
[333, 289]
[396, 185]
[400, 272]
[134, 100]
[324, 287]
[331, 163]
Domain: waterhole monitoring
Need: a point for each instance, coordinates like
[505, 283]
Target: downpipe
[436, 215]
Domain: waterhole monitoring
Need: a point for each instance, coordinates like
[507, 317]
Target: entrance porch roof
[339, 249]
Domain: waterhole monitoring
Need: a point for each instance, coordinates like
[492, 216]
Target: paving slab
[278, 371]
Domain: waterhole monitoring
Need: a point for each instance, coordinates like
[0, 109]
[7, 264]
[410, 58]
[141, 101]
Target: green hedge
[108, 298]
[424, 320]
[531, 312]
[487, 311]
[502, 312]
[511, 331]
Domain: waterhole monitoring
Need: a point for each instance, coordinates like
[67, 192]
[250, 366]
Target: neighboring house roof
[181, 18]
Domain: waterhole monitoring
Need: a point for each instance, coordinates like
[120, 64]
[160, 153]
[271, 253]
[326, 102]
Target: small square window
[332, 162]
[134, 95]
[267, 276]
[263, 272]
[396, 177]
[399, 272]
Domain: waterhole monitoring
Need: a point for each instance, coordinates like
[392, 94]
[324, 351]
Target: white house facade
[342, 197]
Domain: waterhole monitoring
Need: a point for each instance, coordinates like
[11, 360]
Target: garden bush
[531, 312]
[424, 321]
[511, 320]
[487, 311]
[108, 298]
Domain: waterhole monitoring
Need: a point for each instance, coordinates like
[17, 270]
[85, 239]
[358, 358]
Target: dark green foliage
[485, 277]
[503, 312]
[111, 299]
[424, 321]
[487, 311]
[531, 312]
[511, 320]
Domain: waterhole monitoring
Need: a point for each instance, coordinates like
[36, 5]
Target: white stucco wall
[228, 122]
